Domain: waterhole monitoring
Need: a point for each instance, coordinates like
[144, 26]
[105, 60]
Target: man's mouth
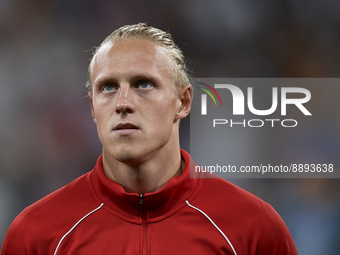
[125, 129]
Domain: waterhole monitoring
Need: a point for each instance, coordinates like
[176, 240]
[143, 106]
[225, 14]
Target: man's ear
[185, 96]
[92, 110]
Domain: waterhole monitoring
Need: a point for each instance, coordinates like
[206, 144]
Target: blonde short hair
[177, 64]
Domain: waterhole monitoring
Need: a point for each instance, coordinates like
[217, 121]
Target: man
[139, 198]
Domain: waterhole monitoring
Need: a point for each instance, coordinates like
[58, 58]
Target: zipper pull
[141, 198]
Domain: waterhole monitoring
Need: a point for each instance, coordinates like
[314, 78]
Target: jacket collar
[157, 204]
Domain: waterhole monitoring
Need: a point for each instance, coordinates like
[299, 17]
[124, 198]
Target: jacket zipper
[141, 198]
[144, 225]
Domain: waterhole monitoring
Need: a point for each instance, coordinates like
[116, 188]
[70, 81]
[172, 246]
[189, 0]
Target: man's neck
[148, 176]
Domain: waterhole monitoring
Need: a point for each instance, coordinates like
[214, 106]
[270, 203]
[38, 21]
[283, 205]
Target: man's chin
[131, 154]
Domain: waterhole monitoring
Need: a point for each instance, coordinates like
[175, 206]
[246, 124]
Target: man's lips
[125, 129]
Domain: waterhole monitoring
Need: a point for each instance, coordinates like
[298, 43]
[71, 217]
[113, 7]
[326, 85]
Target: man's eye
[108, 87]
[144, 85]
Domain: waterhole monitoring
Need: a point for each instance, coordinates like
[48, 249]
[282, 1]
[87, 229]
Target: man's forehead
[141, 56]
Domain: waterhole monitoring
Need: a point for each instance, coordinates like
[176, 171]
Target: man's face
[133, 100]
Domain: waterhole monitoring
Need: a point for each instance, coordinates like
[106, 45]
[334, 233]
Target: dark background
[48, 138]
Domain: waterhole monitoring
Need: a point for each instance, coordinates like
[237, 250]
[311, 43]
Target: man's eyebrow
[102, 79]
[146, 76]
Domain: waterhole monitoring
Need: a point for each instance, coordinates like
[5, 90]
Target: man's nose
[125, 101]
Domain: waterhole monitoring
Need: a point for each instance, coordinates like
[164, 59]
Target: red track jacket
[94, 215]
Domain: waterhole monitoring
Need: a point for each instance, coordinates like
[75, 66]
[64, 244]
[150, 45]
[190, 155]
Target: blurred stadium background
[48, 138]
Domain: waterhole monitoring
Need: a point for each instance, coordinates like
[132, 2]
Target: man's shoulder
[69, 198]
[222, 198]
[243, 216]
[56, 212]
